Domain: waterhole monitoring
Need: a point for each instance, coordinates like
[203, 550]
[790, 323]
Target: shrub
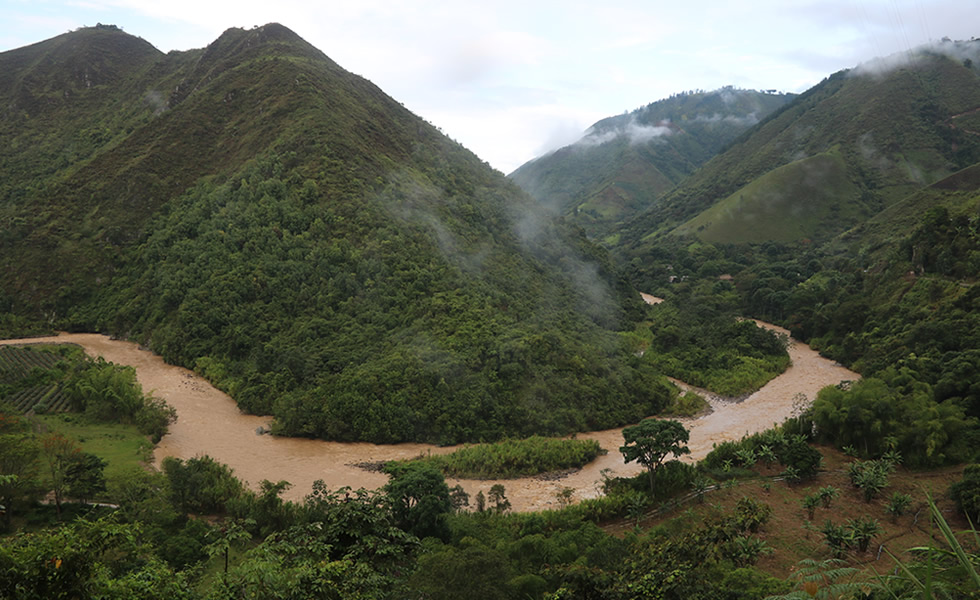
[838, 537]
[201, 485]
[155, 418]
[870, 476]
[966, 493]
[861, 530]
[797, 453]
[515, 458]
[898, 504]
[828, 494]
[810, 502]
[746, 457]
[725, 451]
[751, 514]
[688, 404]
[791, 475]
[745, 551]
[769, 446]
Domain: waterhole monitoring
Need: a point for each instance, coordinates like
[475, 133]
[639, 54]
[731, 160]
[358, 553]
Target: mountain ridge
[319, 252]
[892, 127]
[625, 163]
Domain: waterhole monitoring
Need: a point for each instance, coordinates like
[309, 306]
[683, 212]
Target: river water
[209, 422]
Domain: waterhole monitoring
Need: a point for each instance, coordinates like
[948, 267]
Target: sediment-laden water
[209, 422]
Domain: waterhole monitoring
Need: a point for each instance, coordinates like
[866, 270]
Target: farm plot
[29, 380]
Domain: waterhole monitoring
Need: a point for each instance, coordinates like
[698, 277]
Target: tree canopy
[650, 441]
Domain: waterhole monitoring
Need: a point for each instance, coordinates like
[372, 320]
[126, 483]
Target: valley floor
[209, 422]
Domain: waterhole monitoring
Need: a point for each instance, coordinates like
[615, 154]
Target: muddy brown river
[209, 422]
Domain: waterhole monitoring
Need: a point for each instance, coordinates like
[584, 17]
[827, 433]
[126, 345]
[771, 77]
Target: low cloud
[959, 51]
[156, 100]
[418, 202]
[745, 120]
[539, 234]
[636, 133]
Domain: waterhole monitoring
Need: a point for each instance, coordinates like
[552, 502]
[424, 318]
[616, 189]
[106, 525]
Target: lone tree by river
[650, 441]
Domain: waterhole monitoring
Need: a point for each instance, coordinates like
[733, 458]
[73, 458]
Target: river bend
[209, 422]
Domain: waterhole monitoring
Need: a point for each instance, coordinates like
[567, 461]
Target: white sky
[511, 80]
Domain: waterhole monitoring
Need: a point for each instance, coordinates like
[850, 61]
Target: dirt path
[210, 423]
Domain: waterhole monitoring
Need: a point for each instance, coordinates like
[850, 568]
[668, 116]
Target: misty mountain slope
[186, 116]
[54, 92]
[849, 217]
[895, 125]
[623, 164]
[324, 255]
[958, 194]
[800, 200]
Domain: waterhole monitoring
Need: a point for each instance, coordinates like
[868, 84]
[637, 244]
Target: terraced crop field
[18, 363]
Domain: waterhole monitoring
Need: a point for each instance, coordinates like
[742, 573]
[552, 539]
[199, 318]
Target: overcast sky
[511, 80]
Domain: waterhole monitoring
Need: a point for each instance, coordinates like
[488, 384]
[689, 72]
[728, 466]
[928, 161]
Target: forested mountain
[849, 147]
[255, 212]
[852, 217]
[624, 164]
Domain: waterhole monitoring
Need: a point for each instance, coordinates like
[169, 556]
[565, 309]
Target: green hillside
[624, 164]
[801, 200]
[255, 212]
[896, 131]
[851, 218]
[914, 302]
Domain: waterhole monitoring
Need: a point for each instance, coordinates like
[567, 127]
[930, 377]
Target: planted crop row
[17, 361]
[26, 399]
[41, 398]
[57, 402]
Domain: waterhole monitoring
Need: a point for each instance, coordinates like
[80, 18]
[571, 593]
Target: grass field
[509, 459]
[808, 198]
[122, 446]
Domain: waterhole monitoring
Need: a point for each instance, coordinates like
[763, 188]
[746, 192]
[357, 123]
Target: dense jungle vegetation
[397, 337]
[699, 337]
[510, 459]
[323, 255]
[192, 530]
[900, 316]
[306, 243]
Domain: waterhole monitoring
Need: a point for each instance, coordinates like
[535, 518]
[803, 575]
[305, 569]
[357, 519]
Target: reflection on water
[210, 423]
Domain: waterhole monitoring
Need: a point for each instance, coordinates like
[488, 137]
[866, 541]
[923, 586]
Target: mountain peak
[44, 76]
[391, 254]
[625, 162]
[237, 46]
[237, 41]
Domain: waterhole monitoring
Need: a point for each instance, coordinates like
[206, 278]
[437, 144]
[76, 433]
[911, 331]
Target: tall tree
[650, 441]
[60, 454]
[229, 533]
[419, 499]
[18, 463]
[86, 476]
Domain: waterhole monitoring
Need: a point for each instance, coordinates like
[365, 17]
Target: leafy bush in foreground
[966, 493]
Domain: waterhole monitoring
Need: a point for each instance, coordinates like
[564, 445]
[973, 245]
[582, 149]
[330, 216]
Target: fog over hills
[254, 211]
[622, 165]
